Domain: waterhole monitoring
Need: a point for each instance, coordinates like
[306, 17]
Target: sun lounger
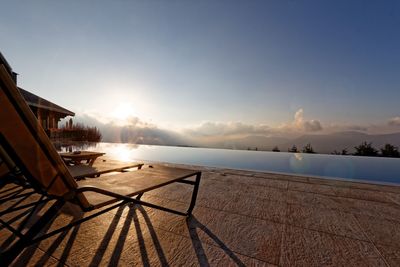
[26, 149]
[80, 172]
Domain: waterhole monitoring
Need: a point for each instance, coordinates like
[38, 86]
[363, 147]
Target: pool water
[373, 169]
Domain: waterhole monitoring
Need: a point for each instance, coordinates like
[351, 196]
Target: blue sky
[189, 64]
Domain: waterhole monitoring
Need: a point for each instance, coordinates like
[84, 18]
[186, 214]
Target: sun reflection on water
[123, 152]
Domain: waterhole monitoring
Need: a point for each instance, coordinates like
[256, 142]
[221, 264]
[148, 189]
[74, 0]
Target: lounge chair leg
[194, 194]
[7, 257]
[132, 204]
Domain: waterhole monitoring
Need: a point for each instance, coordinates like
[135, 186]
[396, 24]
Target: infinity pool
[374, 169]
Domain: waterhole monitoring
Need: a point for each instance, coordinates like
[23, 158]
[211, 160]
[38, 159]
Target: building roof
[38, 102]
[4, 62]
[32, 99]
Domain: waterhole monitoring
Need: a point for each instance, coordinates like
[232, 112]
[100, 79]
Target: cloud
[134, 131]
[312, 126]
[394, 121]
[227, 129]
[357, 128]
[300, 124]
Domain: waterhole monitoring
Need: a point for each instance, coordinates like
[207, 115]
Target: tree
[343, 152]
[80, 132]
[365, 149]
[390, 151]
[293, 149]
[308, 149]
[276, 149]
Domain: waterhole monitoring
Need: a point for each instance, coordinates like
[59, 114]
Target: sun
[122, 112]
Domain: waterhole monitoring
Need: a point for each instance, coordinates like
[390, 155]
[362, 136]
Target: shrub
[293, 149]
[365, 149]
[80, 132]
[308, 149]
[276, 149]
[390, 151]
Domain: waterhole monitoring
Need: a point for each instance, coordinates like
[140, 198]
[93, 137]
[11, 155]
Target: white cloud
[134, 131]
[312, 126]
[394, 121]
[299, 118]
[300, 124]
[227, 129]
[221, 134]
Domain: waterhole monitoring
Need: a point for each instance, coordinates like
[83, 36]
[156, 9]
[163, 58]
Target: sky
[212, 67]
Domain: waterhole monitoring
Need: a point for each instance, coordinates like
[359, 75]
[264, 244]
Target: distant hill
[254, 141]
[341, 140]
[321, 143]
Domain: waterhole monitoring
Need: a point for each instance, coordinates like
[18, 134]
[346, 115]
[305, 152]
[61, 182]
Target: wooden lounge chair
[29, 154]
[80, 172]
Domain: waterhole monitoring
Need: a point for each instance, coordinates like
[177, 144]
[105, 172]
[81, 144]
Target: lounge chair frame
[30, 237]
[23, 176]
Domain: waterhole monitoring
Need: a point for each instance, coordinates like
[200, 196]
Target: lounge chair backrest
[3, 169]
[26, 143]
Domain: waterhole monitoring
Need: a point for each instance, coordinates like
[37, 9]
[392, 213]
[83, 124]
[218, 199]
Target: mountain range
[321, 143]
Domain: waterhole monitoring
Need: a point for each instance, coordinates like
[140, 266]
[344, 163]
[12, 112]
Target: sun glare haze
[219, 74]
[122, 113]
[200, 133]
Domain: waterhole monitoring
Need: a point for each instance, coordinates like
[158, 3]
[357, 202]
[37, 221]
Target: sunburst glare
[122, 113]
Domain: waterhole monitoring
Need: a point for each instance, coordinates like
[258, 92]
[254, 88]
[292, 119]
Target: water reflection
[121, 152]
[70, 146]
[338, 166]
[339, 169]
[298, 164]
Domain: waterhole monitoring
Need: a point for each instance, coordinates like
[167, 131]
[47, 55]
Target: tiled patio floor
[241, 218]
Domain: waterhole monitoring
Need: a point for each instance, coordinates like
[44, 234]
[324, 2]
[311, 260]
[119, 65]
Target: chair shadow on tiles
[129, 227]
[22, 219]
[194, 226]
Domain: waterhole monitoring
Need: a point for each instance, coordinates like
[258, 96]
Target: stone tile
[196, 253]
[265, 181]
[253, 180]
[371, 208]
[164, 220]
[7, 239]
[33, 256]
[237, 172]
[262, 239]
[216, 201]
[258, 208]
[312, 199]
[18, 201]
[394, 197]
[303, 247]
[239, 218]
[312, 188]
[391, 254]
[267, 193]
[153, 247]
[325, 220]
[159, 247]
[9, 189]
[211, 187]
[371, 195]
[356, 185]
[284, 177]
[381, 231]
[91, 241]
[177, 192]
